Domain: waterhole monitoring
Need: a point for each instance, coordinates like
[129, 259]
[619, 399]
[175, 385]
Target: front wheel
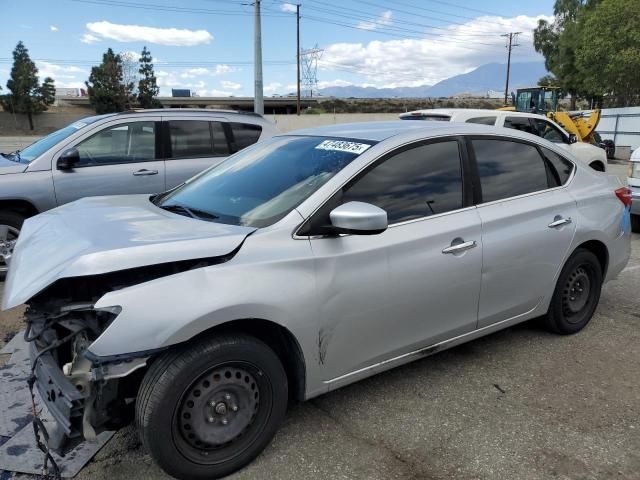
[210, 408]
[10, 224]
[576, 295]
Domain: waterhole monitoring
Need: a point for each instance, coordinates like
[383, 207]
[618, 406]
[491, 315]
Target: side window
[483, 120]
[548, 131]
[519, 123]
[220, 144]
[245, 134]
[508, 169]
[123, 143]
[415, 183]
[559, 168]
[190, 138]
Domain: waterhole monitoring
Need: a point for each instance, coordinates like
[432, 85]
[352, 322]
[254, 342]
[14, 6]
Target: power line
[513, 42]
[168, 8]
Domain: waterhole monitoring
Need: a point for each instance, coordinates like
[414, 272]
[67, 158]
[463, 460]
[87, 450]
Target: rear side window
[220, 144]
[508, 169]
[482, 120]
[520, 123]
[190, 138]
[415, 183]
[245, 134]
[548, 131]
[559, 168]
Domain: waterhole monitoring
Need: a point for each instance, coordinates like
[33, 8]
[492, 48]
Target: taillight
[624, 194]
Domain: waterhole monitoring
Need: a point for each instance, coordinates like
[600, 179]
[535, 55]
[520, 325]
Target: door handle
[558, 221]
[460, 247]
[144, 171]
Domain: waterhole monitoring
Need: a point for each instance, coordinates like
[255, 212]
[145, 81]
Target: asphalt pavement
[518, 404]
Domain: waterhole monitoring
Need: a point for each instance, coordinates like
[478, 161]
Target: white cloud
[412, 62]
[272, 87]
[59, 72]
[53, 28]
[334, 83]
[139, 33]
[88, 38]
[223, 69]
[384, 19]
[230, 85]
[288, 7]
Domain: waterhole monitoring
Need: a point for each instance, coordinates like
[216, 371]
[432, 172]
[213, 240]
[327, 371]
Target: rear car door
[413, 285]
[527, 224]
[120, 158]
[193, 145]
[520, 123]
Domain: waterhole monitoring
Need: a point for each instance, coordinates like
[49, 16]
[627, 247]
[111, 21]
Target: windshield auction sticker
[343, 146]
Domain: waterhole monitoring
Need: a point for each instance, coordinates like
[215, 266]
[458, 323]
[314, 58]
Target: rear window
[482, 120]
[245, 134]
[559, 168]
[190, 138]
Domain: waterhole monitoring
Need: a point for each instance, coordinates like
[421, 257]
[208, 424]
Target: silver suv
[146, 151]
[299, 265]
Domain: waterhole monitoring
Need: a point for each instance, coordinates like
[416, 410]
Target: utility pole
[513, 39]
[258, 100]
[298, 54]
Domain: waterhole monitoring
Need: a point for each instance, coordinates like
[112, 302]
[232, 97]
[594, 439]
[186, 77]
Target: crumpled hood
[105, 234]
[8, 166]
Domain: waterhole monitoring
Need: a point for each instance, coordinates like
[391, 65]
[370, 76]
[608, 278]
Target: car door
[527, 225]
[415, 284]
[193, 145]
[120, 158]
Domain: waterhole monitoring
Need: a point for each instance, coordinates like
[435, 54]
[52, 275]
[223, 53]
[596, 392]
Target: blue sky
[207, 45]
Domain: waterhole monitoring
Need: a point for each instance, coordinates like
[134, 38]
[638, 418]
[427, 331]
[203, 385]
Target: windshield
[36, 149]
[261, 184]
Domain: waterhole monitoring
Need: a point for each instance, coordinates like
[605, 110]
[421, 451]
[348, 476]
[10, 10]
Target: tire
[576, 295]
[635, 223]
[14, 221]
[187, 395]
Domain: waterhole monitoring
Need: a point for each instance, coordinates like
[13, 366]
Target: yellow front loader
[544, 101]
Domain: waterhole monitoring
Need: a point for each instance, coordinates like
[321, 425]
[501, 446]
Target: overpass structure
[286, 105]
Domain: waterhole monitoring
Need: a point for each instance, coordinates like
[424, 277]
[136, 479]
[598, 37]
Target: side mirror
[69, 159]
[573, 138]
[358, 218]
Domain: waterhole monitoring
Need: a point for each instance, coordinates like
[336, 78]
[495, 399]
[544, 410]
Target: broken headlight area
[83, 397]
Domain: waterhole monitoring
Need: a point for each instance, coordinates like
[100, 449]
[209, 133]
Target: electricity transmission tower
[309, 61]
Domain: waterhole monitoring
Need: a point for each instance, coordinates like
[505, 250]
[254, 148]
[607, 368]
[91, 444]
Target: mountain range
[490, 76]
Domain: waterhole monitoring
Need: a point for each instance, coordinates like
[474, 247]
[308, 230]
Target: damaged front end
[83, 396]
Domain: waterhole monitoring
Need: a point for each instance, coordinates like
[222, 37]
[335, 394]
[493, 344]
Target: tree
[609, 51]
[558, 42]
[106, 88]
[27, 95]
[147, 85]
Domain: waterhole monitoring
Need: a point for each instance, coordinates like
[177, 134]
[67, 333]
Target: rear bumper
[61, 399]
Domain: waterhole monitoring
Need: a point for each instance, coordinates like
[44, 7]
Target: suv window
[122, 143]
[220, 143]
[415, 183]
[508, 169]
[559, 168]
[482, 120]
[519, 123]
[190, 138]
[245, 134]
[548, 131]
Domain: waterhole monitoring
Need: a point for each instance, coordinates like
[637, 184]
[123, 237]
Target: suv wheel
[210, 408]
[576, 295]
[10, 224]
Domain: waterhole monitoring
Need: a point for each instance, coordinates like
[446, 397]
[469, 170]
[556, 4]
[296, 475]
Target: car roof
[178, 111]
[379, 131]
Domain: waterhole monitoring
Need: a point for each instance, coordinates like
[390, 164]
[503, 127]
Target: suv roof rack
[199, 110]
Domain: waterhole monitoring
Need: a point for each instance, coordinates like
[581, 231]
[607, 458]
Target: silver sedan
[299, 265]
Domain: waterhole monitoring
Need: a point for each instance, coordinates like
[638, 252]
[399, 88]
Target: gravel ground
[519, 404]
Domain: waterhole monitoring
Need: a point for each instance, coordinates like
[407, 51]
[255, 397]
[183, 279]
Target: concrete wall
[46, 122]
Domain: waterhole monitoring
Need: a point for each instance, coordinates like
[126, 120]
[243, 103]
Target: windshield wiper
[191, 212]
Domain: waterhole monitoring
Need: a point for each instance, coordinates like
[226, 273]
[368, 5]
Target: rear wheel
[10, 225]
[576, 295]
[211, 408]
